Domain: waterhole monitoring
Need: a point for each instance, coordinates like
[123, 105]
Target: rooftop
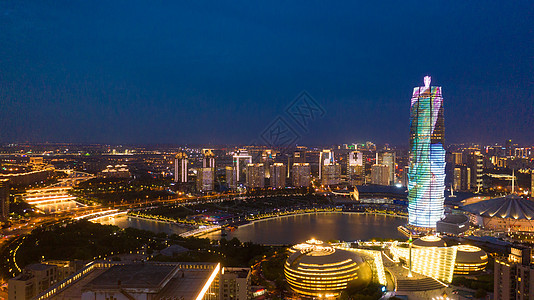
[148, 276]
[510, 206]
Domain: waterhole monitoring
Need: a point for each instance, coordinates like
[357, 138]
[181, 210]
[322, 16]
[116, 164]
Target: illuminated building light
[435, 262]
[426, 175]
[314, 270]
[209, 282]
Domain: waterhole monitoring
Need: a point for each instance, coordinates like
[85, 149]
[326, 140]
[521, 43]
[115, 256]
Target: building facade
[514, 276]
[255, 176]
[387, 159]
[235, 284]
[330, 174]
[462, 178]
[380, 175]
[278, 175]
[180, 168]
[4, 200]
[426, 177]
[301, 175]
[205, 179]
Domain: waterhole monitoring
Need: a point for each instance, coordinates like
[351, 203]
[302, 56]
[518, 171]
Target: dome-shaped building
[322, 271]
[510, 212]
[470, 260]
[429, 241]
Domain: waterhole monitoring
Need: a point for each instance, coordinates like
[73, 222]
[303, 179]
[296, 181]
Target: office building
[513, 276]
[278, 175]
[235, 284]
[387, 159]
[326, 158]
[532, 184]
[457, 158]
[181, 168]
[208, 161]
[230, 177]
[4, 200]
[299, 156]
[301, 176]
[380, 175]
[331, 174]
[355, 168]
[205, 179]
[476, 164]
[426, 177]
[255, 176]
[241, 159]
[462, 178]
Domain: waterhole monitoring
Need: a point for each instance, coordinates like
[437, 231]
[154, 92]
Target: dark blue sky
[220, 71]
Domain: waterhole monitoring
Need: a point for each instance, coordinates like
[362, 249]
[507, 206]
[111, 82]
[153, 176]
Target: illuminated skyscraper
[426, 177]
[4, 199]
[255, 176]
[241, 160]
[380, 175]
[301, 174]
[180, 167]
[209, 158]
[278, 175]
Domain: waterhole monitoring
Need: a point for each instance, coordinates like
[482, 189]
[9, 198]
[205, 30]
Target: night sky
[220, 72]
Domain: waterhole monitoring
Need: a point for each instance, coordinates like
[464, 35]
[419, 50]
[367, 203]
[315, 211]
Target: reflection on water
[323, 226]
[151, 225]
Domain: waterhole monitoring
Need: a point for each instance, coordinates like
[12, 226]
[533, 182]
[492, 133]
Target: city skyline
[82, 73]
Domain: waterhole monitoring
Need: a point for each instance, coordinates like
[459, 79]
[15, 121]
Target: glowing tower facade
[426, 176]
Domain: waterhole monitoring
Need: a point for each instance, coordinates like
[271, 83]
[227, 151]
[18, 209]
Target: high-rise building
[4, 200]
[180, 167]
[301, 175]
[206, 174]
[278, 175]
[387, 159]
[532, 184]
[299, 156]
[457, 158]
[462, 178]
[255, 176]
[230, 177]
[380, 174]
[355, 168]
[426, 178]
[241, 159]
[209, 158]
[326, 157]
[509, 148]
[331, 174]
[513, 277]
[476, 163]
[205, 179]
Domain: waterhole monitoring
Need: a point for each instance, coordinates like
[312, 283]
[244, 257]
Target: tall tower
[426, 177]
[180, 167]
[4, 200]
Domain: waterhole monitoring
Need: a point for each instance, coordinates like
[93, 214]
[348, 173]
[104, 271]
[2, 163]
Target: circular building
[509, 213]
[470, 260]
[429, 241]
[322, 271]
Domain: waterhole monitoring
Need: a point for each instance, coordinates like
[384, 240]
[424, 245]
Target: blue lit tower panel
[426, 176]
